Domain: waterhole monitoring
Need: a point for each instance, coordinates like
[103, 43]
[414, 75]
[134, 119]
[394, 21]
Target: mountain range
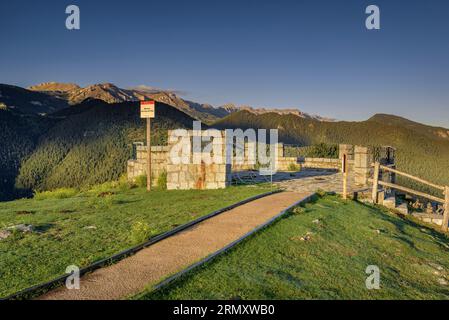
[49, 97]
[61, 135]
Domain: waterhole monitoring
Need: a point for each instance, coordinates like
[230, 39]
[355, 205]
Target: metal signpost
[345, 176]
[147, 110]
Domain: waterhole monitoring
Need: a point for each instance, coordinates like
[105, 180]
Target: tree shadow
[401, 222]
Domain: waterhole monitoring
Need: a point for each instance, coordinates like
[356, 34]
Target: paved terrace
[307, 180]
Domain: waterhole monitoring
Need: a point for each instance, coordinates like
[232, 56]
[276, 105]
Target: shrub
[123, 183]
[324, 150]
[321, 193]
[61, 193]
[102, 202]
[320, 150]
[162, 180]
[294, 167]
[101, 188]
[141, 181]
[298, 210]
[140, 232]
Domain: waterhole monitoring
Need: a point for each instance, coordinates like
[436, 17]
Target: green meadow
[322, 251]
[80, 227]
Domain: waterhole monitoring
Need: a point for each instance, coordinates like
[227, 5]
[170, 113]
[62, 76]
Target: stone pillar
[345, 149]
[362, 165]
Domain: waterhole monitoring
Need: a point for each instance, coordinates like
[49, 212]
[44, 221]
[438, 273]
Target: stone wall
[330, 163]
[201, 175]
[320, 163]
[198, 176]
[429, 218]
[249, 162]
[283, 163]
[138, 167]
[189, 175]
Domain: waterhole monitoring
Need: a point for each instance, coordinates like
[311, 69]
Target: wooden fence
[444, 189]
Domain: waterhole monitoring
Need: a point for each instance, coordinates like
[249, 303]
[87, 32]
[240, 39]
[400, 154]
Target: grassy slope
[29, 259]
[275, 264]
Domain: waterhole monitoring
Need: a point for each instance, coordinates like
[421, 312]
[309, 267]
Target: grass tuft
[141, 181]
[162, 180]
[62, 193]
[294, 167]
[140, 232]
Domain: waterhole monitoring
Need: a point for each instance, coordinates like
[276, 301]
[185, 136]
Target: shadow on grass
[42, 228]
[119, 202]
[401, 222]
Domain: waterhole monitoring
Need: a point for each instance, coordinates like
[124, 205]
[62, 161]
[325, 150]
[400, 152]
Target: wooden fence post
[376, 181]
[345, 176]
[446, 210]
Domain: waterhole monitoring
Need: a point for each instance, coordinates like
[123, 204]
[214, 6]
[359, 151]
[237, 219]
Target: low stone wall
[214, 176]
[320, 163]
[243, 167]
[429, 218]
[138, 167]
[284, 163]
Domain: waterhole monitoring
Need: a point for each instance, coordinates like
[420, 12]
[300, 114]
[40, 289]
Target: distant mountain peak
[285, 111]
[54, 86]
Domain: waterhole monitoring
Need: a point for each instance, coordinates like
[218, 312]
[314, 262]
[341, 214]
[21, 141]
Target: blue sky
[315, 55]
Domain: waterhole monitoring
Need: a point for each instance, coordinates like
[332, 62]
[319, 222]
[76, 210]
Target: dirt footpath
[150, 265]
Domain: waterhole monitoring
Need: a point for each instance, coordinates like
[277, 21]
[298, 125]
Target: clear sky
[315, 55]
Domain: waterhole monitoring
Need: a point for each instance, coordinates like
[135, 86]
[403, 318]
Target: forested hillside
[18, 136]
[25, 101]
[92, 146]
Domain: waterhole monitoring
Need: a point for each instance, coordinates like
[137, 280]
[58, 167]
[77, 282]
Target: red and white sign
[147, 109]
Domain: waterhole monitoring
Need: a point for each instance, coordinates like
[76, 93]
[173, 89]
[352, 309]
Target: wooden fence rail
[412, 177]
[408, 190]
[445, 189]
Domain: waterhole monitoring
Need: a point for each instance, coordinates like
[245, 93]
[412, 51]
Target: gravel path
[132, 275]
